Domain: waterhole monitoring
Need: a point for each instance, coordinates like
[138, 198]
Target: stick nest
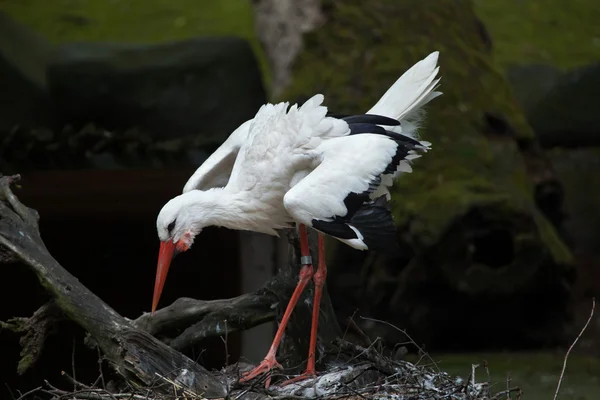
[353, 373]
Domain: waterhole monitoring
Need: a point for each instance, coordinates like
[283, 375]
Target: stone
[201, 86]
[567, 114]
[531, 82]
[24, 98]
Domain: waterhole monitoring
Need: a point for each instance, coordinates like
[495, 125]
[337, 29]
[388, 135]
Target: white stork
[298, 165]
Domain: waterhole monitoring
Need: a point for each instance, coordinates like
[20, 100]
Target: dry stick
[487, 372]
[92, 394]
[225, 340]
[73, 365]
[12, 395]
[507, 392]
[562, 373]
[100, 368]
[32, 391]
[75, 382]
[351, 318]
[225, 343]
[357, 329]
[473, 368]
[407, 335]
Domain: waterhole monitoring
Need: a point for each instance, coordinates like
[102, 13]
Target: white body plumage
[300, 165]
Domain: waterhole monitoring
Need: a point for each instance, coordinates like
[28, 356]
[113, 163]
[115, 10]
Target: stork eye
[171, 226]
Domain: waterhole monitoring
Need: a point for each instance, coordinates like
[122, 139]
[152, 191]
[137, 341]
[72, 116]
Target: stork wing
[216, 169]
[337, 197]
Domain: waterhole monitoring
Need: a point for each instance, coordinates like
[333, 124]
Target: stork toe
[305, 375]
[264, 367]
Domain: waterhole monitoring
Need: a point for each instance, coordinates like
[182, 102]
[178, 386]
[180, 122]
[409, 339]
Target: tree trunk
[473, 216]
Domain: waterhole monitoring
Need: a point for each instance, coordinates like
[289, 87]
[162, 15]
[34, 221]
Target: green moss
[361, 51]
[542, 31]
[141, 21]
[26, 361]
[535, 373]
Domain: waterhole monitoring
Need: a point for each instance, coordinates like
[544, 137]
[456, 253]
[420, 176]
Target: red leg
[306, 273]
[319, 279]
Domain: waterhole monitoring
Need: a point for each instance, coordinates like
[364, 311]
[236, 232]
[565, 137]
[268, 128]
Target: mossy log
[473, 234]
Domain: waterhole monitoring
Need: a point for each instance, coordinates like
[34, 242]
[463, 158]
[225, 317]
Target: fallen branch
[133, 353]
[564, 367]
[35, 330]
[202, 319]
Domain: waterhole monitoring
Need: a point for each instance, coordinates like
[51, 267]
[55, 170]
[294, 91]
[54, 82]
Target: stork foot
[308, 374]
[264, 367]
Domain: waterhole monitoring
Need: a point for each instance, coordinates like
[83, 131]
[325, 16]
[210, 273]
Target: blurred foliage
[23, 150]
[557, 32]
[141, 21]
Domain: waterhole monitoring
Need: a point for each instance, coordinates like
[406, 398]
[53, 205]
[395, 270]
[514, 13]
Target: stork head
[178, 223]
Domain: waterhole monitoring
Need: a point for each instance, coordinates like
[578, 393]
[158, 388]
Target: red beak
[165, 255]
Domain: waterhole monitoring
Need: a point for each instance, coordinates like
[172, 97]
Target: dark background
[106, 108]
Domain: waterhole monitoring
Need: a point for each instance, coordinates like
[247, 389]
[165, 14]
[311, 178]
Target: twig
[507, 392]
[32, 391]
[94, 394]
[407, 335]
[50, 386]
[100, 368]
[73, 366]
[465, 386]
[75, 382]
[356, 328]
[473, 368]
[225, 339]
[353, 391]
[10, 391]
[487, 371]
[562, 373]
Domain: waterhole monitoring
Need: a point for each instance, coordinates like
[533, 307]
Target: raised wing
[405, 99]
[281, 139]
[215, 171]
[337, 197]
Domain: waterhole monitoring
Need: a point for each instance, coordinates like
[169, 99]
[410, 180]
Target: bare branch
[133, 353]
[562, 372]
[407, 335]
[202, 319]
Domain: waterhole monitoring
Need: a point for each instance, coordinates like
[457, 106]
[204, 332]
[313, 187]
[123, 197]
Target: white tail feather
[404, 99]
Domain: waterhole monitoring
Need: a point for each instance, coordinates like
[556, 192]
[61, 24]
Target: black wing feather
[373, 220]
[371, 119]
